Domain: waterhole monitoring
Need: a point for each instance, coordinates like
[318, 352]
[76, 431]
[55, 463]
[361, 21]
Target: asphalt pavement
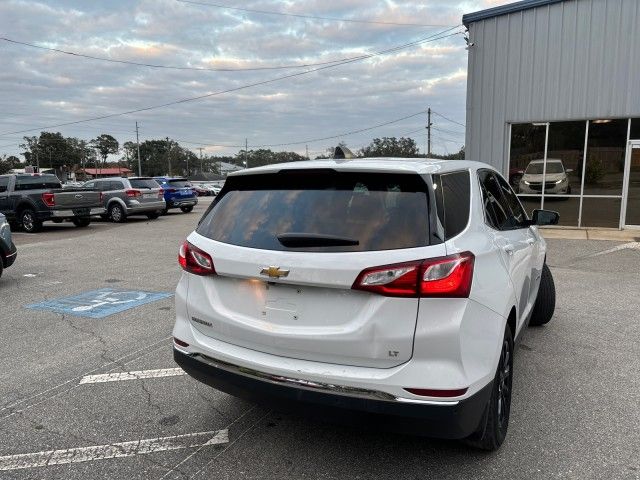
[70, 410]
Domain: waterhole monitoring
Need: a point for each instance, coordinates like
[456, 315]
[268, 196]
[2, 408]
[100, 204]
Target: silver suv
[129, 196]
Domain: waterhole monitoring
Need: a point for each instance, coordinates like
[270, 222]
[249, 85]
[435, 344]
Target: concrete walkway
[592, 234]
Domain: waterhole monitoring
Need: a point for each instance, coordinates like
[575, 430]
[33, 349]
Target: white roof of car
[378, 164]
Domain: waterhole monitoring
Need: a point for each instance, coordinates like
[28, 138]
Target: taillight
[160, 193]
[101, 197]
[49, 199]
[194, 260]
[449, 276]
[133, 193]
[170, 190]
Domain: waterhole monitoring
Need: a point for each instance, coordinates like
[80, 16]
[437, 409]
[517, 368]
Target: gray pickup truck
[30, 199]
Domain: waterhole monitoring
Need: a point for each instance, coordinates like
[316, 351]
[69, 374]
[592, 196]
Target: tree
[9, 163]
[391, 147]
[459, 155]
[106, 145]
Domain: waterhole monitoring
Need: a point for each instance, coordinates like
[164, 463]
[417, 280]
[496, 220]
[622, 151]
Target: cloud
[44, 88]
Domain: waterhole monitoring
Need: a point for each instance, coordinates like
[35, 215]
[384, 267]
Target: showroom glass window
[527, 148]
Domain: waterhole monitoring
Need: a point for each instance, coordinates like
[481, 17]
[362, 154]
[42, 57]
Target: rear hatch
[149, 189]
[287, 248]
[179, 189]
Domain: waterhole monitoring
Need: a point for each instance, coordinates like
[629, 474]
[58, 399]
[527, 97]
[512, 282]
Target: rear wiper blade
[314, 240]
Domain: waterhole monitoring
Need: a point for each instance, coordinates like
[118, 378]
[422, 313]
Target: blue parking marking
[99, 303]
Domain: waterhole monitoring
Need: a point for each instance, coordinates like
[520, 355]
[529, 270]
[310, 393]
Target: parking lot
[69, 409]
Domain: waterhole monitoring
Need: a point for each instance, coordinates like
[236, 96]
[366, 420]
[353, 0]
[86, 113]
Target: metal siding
[573, 60]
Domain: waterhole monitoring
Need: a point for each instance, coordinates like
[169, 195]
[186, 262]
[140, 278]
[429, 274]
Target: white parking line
[136, 375]
[113, 450]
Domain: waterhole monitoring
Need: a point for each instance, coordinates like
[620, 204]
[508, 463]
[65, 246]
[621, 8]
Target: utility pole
[138, 148]
[169, 157]
[246, 147]
[429, 125]
[307, 148]
[201, 148]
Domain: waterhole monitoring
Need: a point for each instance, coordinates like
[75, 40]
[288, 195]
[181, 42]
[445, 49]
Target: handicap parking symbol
[99, 303]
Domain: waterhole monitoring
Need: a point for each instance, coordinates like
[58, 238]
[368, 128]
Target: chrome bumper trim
[311, 385]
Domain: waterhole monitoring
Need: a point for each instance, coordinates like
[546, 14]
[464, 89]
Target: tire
[81, 222]
[187, 209]
[117, 213]
[1, 267]
[165, 211]
[494, 424]
[546, 301]
[29, 221]
[153, 216]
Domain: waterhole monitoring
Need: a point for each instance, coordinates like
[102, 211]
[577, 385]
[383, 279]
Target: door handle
[509, 249]
[530, 241]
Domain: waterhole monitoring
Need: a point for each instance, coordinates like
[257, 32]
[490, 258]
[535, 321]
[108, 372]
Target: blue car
[178, 193]
[8, 251]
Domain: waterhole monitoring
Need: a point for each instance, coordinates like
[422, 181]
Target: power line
[175, 67]
[431, 38]
[448, 119]
[313, 17]
[452, 132]
[311, 140]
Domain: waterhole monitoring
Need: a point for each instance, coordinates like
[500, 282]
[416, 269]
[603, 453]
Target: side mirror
[545, 217]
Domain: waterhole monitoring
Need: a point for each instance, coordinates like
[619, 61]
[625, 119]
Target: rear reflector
[194, 260]
[428, 392]
[180, 343]
[449, 276]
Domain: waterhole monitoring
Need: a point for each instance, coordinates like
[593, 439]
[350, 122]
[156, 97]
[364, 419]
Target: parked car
[556, 178]
[124, 197]
[8, 250]
[31, 199]
[389, 286]
[200, 190]
[178, 193]
[213, 189]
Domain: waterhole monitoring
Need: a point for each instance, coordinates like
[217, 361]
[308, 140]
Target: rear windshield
[143, 183]
[179, 183]
[357, 211]
[37, 182]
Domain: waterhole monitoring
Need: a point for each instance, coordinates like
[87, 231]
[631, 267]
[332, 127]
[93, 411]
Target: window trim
[484, 210]
[444, 206]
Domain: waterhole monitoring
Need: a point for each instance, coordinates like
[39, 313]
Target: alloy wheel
[504, 384]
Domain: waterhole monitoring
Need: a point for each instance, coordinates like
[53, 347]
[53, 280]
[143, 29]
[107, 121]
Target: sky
[42, 88]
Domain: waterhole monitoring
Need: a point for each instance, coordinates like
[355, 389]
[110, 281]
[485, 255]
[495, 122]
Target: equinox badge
[274, 272]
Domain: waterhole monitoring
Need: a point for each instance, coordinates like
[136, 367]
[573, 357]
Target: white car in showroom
[393, 287]
[555, 177]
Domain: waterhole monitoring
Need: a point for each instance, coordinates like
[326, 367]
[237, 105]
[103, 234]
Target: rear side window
[116, 186]
[4, 184]
[143, 183]
[496, 205]
[37, 182]
[453, 198]
[360, 211]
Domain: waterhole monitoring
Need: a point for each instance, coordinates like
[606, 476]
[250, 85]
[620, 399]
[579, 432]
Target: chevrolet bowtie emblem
[274, 272]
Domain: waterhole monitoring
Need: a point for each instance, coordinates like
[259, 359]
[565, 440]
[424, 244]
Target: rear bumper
[147, 207]
[74, 213]
[444, 419]
[184, 202]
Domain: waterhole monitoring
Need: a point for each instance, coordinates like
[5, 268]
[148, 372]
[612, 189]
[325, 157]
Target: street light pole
[138, 148]
[168, 156]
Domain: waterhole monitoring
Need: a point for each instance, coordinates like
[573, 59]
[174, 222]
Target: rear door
[514, 241]
[287, 248]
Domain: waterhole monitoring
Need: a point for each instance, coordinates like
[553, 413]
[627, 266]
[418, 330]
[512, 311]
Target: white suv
[388, 286]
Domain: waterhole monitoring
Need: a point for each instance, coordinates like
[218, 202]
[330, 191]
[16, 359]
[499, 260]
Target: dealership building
[553, 102]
